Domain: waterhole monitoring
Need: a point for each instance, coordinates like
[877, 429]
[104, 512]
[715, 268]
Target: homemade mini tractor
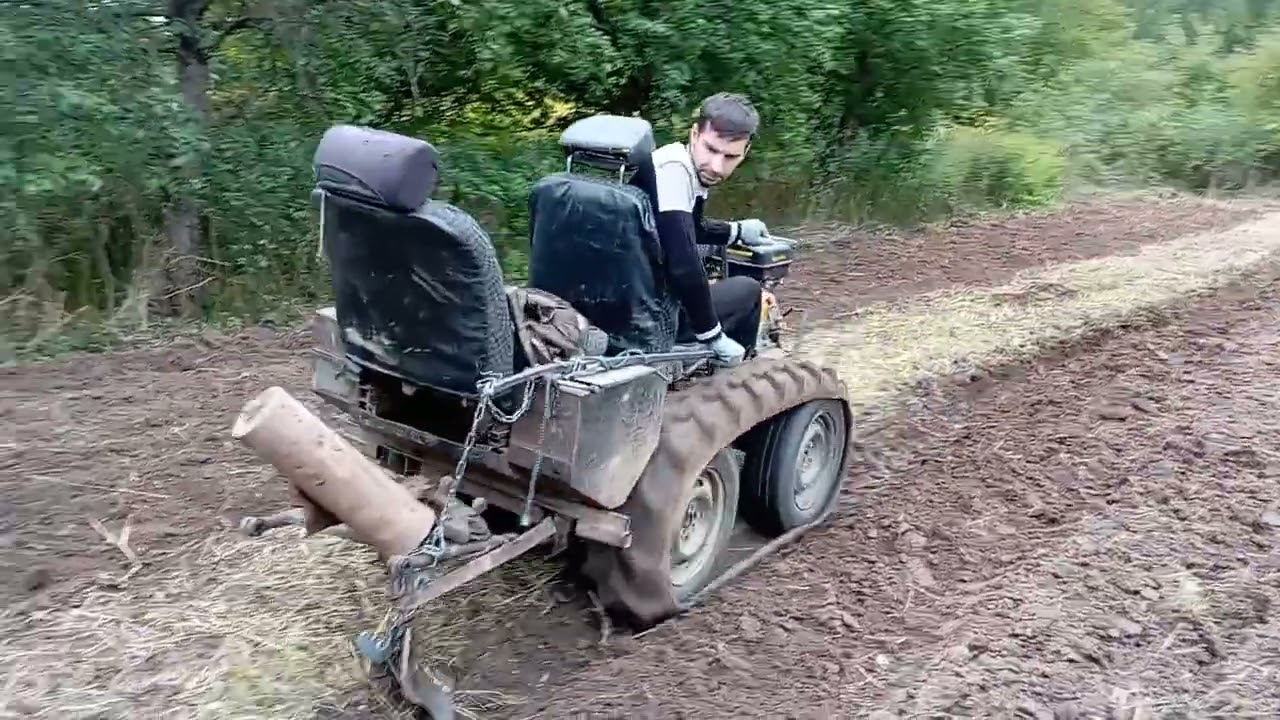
[469, 417]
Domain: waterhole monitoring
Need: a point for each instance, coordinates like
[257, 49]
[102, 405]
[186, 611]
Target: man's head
[721, 136]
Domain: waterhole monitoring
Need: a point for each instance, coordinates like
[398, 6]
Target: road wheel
[795, 466]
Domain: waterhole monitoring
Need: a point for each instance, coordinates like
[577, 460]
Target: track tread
[698, 421]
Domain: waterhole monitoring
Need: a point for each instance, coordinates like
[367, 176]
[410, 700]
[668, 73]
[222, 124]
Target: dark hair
[730, 115]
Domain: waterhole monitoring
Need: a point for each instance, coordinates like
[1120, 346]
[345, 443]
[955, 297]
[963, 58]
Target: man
[724, 316]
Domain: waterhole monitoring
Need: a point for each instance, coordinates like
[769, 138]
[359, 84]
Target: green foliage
[986, 167]
[1253, 82]
[122, 114]
[1152, 115]
[1223, 25]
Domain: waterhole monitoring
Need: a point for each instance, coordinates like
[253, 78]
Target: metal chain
[405, 581]
[434, 544]
[486, 385]
[549, 396]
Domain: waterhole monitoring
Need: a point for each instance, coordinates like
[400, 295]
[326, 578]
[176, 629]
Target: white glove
[727, 350]
[751, 232]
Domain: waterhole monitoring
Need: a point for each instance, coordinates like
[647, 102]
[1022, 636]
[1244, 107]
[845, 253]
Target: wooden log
[330, 475]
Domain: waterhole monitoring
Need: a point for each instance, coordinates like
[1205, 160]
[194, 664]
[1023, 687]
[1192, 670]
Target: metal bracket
[473, 569]
[423, 686]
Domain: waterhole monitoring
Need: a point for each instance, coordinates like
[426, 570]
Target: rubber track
[699, 420]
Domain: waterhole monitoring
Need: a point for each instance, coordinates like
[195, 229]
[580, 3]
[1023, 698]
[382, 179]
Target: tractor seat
[417, 288]
[594, 240]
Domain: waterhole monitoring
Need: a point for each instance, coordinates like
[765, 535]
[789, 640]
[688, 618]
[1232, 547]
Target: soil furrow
[958, 565]
[1087, 534]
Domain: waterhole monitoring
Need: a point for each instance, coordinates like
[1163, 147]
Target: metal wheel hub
[694, 543]
[819, 459]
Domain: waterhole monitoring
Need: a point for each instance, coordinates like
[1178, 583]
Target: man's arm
[678, 236]
[718, 232]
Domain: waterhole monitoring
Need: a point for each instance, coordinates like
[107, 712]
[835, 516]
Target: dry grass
[890, 347]
[271, 620]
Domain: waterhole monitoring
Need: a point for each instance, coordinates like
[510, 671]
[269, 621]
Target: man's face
[715, 156]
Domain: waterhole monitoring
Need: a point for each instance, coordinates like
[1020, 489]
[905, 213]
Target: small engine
[767, 263]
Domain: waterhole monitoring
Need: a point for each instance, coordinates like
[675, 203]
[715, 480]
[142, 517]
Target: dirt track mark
[856, 269]
[1089, 534]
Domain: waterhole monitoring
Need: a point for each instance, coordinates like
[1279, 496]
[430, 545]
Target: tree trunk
[184, 277]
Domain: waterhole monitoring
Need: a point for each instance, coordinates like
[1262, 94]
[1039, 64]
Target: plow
[491, 419]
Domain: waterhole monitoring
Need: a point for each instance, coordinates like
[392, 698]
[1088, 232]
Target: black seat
[594, 241]
[418, 291]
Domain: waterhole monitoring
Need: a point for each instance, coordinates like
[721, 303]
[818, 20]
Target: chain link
[549, 395]
[407, 577]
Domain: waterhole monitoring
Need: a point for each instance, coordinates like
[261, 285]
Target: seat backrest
[594, 241]
[417, 287]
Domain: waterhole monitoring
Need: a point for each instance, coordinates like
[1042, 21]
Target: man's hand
[751, 232]
[727, 350]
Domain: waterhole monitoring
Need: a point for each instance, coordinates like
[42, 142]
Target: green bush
[990, 167]
[1148, 114]
[1253, 82]
[887, 110]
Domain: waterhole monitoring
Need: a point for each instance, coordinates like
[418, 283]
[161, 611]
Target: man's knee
[738, 290]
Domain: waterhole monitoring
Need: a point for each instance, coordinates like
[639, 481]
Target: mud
[143, 435]
[1093, 535]
[856, 268]
[1099, 528]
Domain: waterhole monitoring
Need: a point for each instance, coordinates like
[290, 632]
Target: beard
[708, 179]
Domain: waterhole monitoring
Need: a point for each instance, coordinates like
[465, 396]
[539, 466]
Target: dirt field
[870, 267]
[1091, 536]
[1095, 530]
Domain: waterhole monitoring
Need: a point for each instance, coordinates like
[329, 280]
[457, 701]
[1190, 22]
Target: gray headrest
[613, 139]
[377, 166]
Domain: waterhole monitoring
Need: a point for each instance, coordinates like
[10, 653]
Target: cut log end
[338, 482]
[256, 411]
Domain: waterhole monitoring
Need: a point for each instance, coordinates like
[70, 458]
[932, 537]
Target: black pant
[737, 304]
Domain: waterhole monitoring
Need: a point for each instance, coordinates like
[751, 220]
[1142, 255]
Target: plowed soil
[1094, 535]
[851, 269]
[1092, 531]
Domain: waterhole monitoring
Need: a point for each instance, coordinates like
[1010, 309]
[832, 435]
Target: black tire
[775, 497]
[721, 477]
[699, 423]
